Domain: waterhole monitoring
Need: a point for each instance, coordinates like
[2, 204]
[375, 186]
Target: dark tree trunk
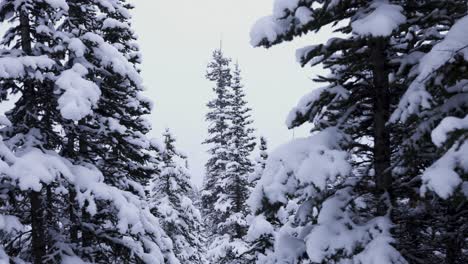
[38, 245]
[86, 234]
[37, 228]
[382, 150]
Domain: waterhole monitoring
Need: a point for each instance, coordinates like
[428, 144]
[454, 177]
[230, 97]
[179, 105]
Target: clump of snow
[11, 67]
[79, 96]
[10, 223]
[449, 124]
[304, 15]
[381, 21]
[259, 227]
[443, 176]
[287, 247]
[114, 125]
[223, 245]
[73, 260]
[336, 231]
[111, 23]
[58, 4]
[316, 161]
[267, 28]
[76, 46]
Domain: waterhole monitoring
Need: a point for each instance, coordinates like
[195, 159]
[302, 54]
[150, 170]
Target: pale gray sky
[177, 39]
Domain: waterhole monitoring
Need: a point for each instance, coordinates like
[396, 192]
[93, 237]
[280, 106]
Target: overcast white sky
[177, 39]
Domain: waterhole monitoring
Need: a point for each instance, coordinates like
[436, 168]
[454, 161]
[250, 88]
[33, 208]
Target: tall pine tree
[232, 158]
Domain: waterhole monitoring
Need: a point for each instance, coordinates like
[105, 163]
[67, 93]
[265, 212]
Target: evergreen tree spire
[226, 187]
[219, 73]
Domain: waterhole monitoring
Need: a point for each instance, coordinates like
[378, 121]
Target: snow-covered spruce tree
[338, 196]
[113, 137]
[433, 111]
[50, 171]
[228, 244]
[170, 201]
[218, 72]
[28, 71]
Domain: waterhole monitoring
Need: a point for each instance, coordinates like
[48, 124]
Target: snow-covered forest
[381, 177]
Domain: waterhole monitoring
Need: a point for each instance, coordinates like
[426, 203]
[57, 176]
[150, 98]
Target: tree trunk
[86, 235]
[38, 246]
[382, 150]
[37, 228]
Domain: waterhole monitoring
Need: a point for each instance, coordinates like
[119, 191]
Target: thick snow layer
[443, 176]
[259, 227]
[111, 23]
[79, 96]
[315, 161]
[456, 41]
[15, 67]
[304, 15]
[287, 247]
[76, 46]
[336, 231]
[381, 21]
[10, 223]
[449, 124]
[268, 28]
[73, 260]
[58, 4]
[222, 246]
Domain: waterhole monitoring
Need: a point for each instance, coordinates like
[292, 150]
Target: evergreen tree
[349, 112]
[231, 157]
[55, 57]
[218, 72]
[170, 201]
[369, 73]
[28, 69]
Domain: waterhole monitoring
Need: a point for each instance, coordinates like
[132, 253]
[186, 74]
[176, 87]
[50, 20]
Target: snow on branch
[455, 42]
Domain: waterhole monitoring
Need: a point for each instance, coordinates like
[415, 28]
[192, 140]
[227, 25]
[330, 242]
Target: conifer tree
[349, 112]
[56, 58]
[170, 201]
[369, 73]
[218, 72]
[231, 155]
[28, 68]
